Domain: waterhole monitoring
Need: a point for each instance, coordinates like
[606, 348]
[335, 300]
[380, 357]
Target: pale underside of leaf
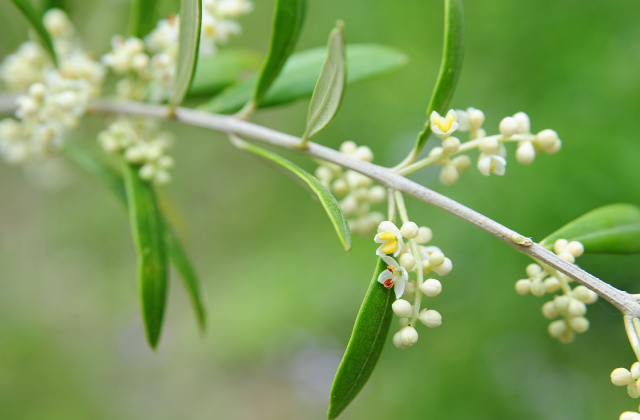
[189, 41]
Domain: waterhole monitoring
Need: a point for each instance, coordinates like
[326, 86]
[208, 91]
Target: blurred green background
[282, 295]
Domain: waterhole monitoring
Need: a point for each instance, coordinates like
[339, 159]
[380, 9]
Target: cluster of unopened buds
[141, 143]
[357, 191]
[149, 65]
[493, 153]
[55, 99]
[402, 258]
[631, 380]
[571, 304]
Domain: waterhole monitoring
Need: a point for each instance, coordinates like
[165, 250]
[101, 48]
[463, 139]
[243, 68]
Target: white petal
[462, 117]
[398, 287]
[387, 226]
[378, 240]
[379, 252]
[390, 261]
[404, 274]
[484, 165]
[433, 117]
[499, 164]
[385, 275]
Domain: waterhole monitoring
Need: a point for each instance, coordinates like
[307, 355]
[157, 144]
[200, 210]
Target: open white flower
[391, 239]
[394, 276]
[443, 127]
[491, 163]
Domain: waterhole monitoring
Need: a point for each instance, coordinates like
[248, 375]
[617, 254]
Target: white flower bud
[387, 226]
[567, 337]
[402, 308]
[533, 270]
[629, 415]
[557, 328]
[430, 318]
[323, 173]
[579, 324]
[349, 205]
[632, 390]
[537, 288]
[575, 248]
[363, 153]
[397, 341]
[424, 235]
[27, 106]
[436, 151]
[476, 118]
[567, 257]
[561, 303]
[490, 146]
[409, 230]
[67, 99]
[147, 172]
[408, 336]
[409, 290]
[139, 61]
[162, 177]
[524, 123]
[449, 175]
[547, 138]
[478, 134]
[523, 287]
[37, 91]
[576, 308]
[436, 258]
[348, 147]
[560, 245]
[554, 148]
[508, 126]
[525, 153]
[340, 186]
[584, 295]
[462, 163]
[57, 23]
[377, 194]
[407, 261]
[403, 322]
[444, 268]
[431, 287]
[549, 310]
[551, 284]
[375, 219]
[635, 370]
[451, 144]
[620, 377]
[134, 155]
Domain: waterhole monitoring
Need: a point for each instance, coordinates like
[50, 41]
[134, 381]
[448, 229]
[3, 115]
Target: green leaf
[113, 180]
[612, 229]
[189, 41]
[299, 76]
[35, 19]
[327, 199]
[228, 66]
[327, 95]
[365, 346]
[143, 18]
[449, 68]
[147, 226]
[288, 18]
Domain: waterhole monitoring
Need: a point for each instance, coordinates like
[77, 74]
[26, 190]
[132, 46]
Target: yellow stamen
[492, 167]
[386, 236]
[445, 124]
[390, 246]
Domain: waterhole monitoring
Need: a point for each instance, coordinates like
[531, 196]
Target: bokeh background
[282, 295]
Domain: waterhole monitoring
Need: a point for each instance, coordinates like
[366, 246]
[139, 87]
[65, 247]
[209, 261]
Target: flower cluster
[141, 143]
[422, 261]
[55, 99]
[630, 379]
[149, 66]
[357, 191]
[571, 304]
[493, 153]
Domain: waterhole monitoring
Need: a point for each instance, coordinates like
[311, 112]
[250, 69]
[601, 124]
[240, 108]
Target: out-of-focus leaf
[327, 199]
[188, 43]
[299, 76]
[216, 72]
[35, 19]
[328, 92]
[365, 346]
[612, 229]
[143, 18]
[55, 4]
[288, 18]
[113, 180]
[147, 226]
[449, 68]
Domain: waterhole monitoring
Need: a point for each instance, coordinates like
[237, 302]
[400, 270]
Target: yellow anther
[492, 167]
[390, 246]
[387, 236]
[445, 124]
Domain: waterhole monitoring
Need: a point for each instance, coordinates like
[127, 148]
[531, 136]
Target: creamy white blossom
[443, 127]
[394, 276]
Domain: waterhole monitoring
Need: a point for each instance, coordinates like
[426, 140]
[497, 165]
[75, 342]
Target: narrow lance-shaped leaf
[288, 18]
[612, 229]
[327, 199]
[226, 67]
[365, 346]
[299, 76]
[330, 87]
[188, 43]
[148, 231]
[113, 180]
[143, 17]
[35, 19]
[449, 68]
